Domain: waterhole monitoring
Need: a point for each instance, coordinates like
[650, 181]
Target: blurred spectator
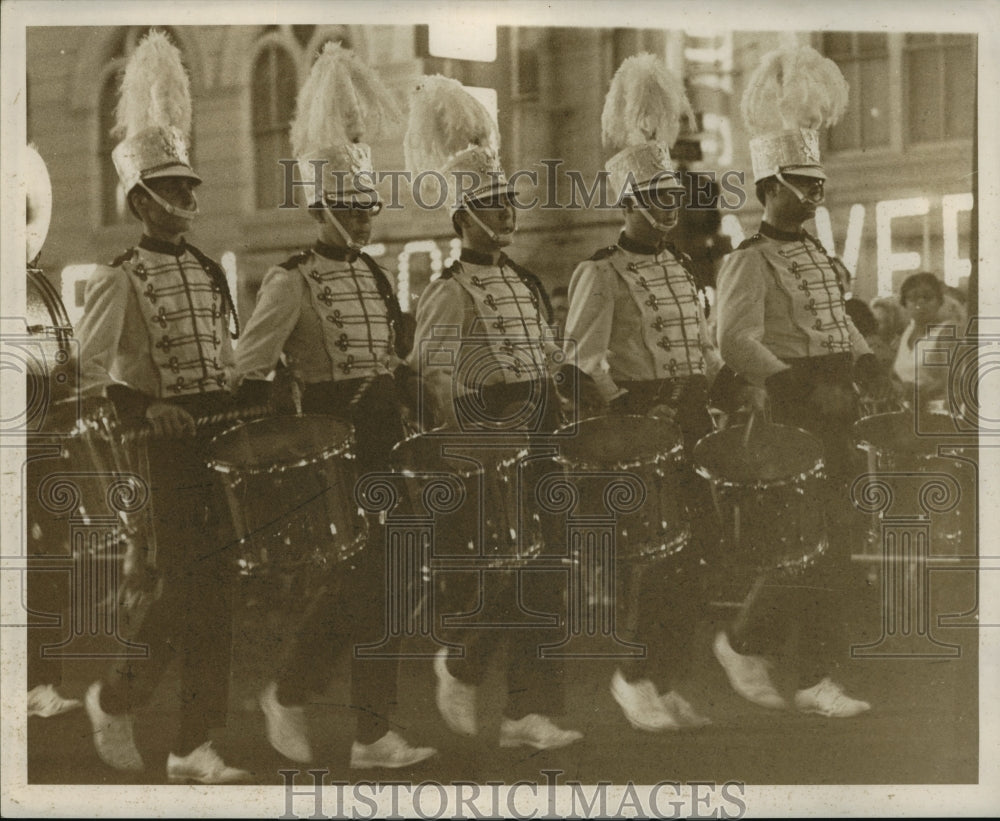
[862, 317]
[932, 321]
[892, 321]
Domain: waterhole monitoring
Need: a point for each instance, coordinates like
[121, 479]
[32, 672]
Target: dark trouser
[809, 608]
[534, 684]
[350, 610]
[192, 618]
[48, 590]
[672, 592]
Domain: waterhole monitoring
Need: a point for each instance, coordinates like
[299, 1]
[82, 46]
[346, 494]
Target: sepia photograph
[499, 410]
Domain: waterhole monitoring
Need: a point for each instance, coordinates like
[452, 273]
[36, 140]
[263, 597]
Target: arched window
[273, 88]
[113, 204]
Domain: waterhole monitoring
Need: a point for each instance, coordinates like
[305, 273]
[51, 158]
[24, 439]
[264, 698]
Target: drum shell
[91, 495]
[769, 491]
[289, 484]
[472, 497]
[628, 469]
[898, 456]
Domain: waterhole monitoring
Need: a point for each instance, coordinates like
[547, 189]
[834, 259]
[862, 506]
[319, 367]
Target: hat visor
[814, 171]
[485, 195]
[170, 170]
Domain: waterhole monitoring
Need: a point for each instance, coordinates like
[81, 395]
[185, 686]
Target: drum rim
[672, 455]
[955, 441]
[411, 472]
[813, 472]
[341, 448]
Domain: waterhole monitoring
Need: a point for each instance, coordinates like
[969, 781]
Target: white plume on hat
[155, 90]
[343, 101]
[794, 88]
[153, 116]
[794, 92]
[641, 119]
[645, 103]
[451, 132]
[445, 120]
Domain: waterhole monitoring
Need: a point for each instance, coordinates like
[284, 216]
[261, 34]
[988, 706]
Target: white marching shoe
[205, 766]
[286, 726]
[44, 701]
[641, 704]
[829, 699]
[684, 714]
[391, 750]
[113, 735]
[748, 675]
[536, 731]
[456, 700]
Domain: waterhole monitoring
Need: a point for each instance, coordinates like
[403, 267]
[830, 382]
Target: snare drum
[768, 492]
[289, 484]
[629, 468]
[925, 464]
[474, 495]
[95, 481]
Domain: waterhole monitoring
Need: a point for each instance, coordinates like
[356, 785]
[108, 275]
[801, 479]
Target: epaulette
[604, 253]
[750, 241]
[123, 257]
[295, 260]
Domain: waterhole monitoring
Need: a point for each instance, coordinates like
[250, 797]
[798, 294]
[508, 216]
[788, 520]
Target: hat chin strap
[493, 235]
[346, 237]
[803, 198]
[658, 226]
[171, 209]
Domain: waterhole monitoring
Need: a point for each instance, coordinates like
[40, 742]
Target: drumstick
[236, 415]
[746, 433]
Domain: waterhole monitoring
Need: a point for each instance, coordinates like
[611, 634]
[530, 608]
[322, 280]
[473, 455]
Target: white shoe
[44, 701]
[205, 766]
[113, 736]
[748, 675]
[391, 750]
[286, 726]
[829, 699]
[682, 711]
[536, 731]
[456, 701]
[641, 704]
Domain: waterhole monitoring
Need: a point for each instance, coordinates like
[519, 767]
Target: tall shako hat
[451, 132]
[153, 117]
[641, 119]
[792, 94]
[341, 103]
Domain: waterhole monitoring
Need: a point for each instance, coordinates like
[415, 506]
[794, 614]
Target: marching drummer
[483, 351]
[155, 339]
[639, 331]
[332, 312]
[784, 330]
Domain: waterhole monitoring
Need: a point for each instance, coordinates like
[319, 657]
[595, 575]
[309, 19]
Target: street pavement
[923, 727]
